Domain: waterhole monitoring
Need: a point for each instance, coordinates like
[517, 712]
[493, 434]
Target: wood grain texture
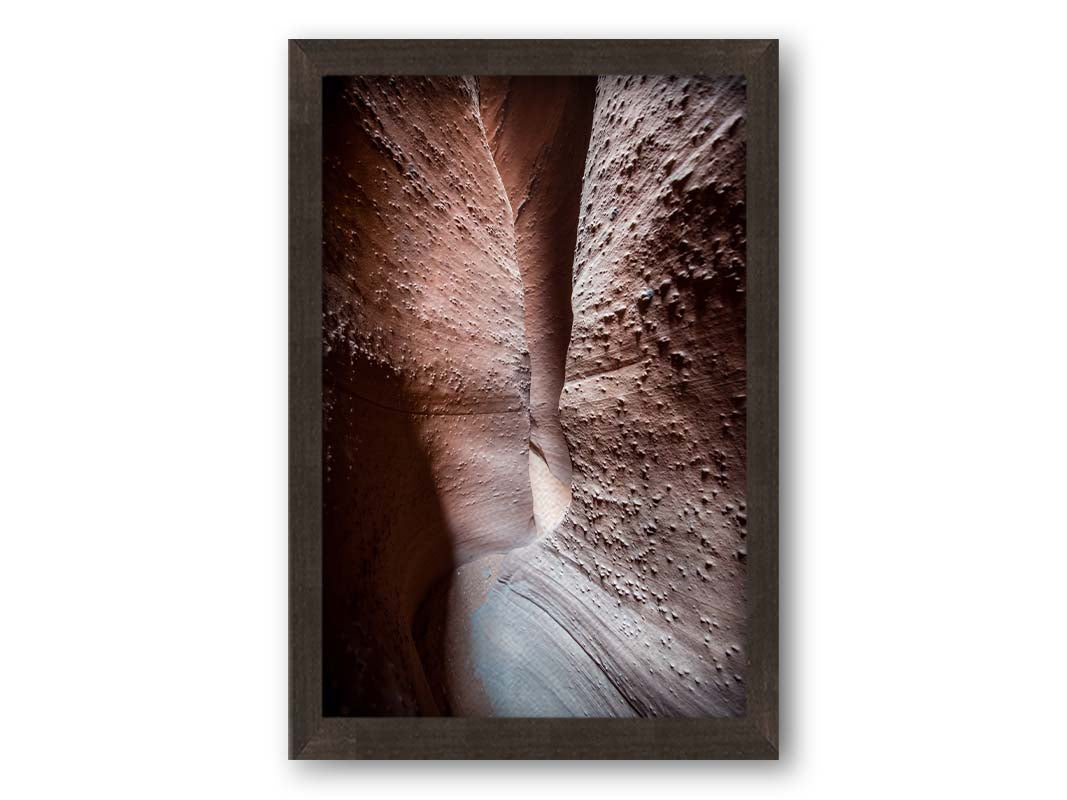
[312, 735]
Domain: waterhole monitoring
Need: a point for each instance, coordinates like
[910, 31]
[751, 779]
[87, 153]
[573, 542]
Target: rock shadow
[388, 559]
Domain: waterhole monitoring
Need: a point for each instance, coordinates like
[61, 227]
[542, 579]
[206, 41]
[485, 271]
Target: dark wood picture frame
[313, 736]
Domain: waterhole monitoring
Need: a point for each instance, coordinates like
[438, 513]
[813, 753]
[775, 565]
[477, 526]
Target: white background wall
[143, 426]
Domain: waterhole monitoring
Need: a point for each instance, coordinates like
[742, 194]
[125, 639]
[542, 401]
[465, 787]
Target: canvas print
[534, 388]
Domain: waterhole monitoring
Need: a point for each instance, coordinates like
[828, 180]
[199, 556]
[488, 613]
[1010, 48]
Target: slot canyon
[534, 396]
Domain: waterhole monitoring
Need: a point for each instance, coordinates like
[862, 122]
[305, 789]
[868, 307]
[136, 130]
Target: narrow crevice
[541, 128]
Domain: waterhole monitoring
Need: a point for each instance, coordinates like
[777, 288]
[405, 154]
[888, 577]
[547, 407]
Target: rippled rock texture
[534, 396]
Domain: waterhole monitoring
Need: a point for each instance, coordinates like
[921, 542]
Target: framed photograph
[533, 399]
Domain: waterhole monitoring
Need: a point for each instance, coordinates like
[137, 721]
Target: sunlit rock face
[535, 396]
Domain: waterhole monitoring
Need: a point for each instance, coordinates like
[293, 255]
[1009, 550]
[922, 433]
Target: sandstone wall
[426, 377]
